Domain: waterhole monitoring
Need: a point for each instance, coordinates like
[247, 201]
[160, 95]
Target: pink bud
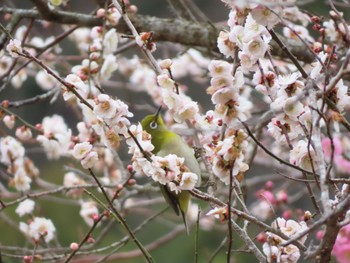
[319, 234]
[91, 240]
[287, 214]
[269, 185]
[261, 238]
[95, 217]
[9, 121]
[74, 246]
[100, 13]
[131, 182]
[27, 259]
[282, 196]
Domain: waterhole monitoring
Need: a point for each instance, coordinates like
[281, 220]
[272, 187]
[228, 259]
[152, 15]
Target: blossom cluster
[168, 170]
[12, 154]
[229, 95]
[227, 155]
[180, 106]
[39, 228]
[99, 65]
[15, 48]
[273, 249]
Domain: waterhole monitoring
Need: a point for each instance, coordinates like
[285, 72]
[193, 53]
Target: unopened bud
[307, 215]
[74, 246]
[131, 182]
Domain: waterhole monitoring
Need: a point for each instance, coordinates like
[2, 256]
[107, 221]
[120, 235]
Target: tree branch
[188, 33]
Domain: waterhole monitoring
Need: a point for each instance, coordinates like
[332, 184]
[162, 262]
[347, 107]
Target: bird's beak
[157, 114]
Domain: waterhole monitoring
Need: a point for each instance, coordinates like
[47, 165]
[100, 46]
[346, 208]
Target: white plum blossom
[168, 168]
[24, 133]
[262, 210]
[5, 63]
[89, 160]
[105, 107]
[229, 95]
[180, 106]
[264, 16]
[303, 155]
[300, 31]
[271, 252]
[252, 38]
[14, 47]
[220, 68]
[186, 111]
[236, 36]
[165, 81]
[20, 32]
[273, 249]
[293, 13]
[228, 157]
[87, 211]
[191, 63]
[255, 47]
[114, 112]
[253, 30]
[110, 41]
[108, 67]
[10, 150]
[80, 150]
[342, 97]
[21, 180]
[225, 45]
[293, 107]
[25, 207]
[165, 63]
[56, 139]
[188, 181]
[52, 147]
[331, 32]
[18, 80]
[41, 227]
[219, 213]
[83, 152]
[81, 36]
[143, 138]
[247, 61]
[290, 227]
[9, 121]
[317, 66]
[81, 88]
[113, 16]
[45, 80]
[70, 179]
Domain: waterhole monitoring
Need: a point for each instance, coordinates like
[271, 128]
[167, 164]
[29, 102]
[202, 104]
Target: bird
[167, 142]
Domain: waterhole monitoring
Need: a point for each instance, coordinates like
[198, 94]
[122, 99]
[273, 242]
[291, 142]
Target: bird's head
[153, 123]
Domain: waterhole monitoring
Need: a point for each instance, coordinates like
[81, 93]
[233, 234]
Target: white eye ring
[153, 125]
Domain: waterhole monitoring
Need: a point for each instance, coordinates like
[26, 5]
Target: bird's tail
[185, 221]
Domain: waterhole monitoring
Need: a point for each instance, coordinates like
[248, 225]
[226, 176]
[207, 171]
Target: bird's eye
[153, 125]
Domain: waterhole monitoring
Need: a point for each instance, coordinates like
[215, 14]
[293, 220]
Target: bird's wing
[176, 145]
[170, 198]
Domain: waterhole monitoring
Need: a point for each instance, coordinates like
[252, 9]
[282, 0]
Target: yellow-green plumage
[166, 142]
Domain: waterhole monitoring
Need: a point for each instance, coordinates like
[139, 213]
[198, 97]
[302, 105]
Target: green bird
[166, 142]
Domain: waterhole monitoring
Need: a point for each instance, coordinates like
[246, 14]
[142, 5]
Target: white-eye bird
[167, 142]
